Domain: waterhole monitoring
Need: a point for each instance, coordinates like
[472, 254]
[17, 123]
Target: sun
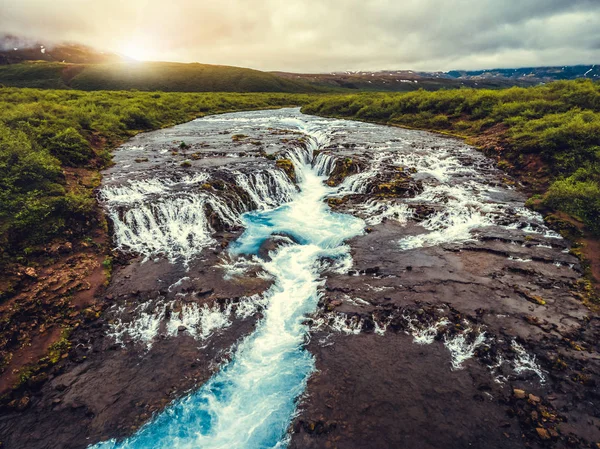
[136, 50]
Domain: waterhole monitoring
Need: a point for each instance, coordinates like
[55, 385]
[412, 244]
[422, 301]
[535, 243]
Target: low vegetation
[52, 143]
[549, 134]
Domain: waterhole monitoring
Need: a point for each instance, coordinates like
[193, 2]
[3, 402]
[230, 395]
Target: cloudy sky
[323, 35]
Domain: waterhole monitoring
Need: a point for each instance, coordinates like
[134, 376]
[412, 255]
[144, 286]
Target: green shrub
[578, 198]
[70, 148]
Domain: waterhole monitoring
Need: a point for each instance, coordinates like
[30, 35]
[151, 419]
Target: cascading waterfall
[168, 217]
[324, 164]
[359, 183]
[251, 401]
[267, 188]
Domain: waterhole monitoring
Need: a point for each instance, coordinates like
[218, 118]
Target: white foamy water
[375, 211]
[167, 217]
[462, 348]
[267, 189]
[424, 334]
[524, 362]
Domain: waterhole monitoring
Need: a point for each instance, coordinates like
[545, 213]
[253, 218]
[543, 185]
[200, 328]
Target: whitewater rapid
[251, 401]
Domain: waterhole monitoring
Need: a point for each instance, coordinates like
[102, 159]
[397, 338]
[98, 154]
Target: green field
[554, 128]
[147, 76]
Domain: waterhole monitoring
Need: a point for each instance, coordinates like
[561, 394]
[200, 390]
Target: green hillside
[146, 76]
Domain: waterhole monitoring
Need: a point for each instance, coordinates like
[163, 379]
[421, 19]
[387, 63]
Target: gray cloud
[323, 35]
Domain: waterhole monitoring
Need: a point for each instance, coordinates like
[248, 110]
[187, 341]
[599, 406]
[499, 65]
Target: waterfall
[168, 216]
[267, 189]
[324, 164]
[360, 182]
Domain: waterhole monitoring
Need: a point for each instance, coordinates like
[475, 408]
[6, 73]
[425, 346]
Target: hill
[147, 76]
[409, 80]
[14, 50]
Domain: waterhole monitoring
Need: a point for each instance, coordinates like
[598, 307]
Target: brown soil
[56, 290]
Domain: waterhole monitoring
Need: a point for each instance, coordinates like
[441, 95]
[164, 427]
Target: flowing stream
[250, 402]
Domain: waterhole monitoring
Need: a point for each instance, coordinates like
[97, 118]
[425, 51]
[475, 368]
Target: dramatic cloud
[323, 35]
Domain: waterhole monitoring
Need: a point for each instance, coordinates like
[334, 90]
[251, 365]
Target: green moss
[288, 167]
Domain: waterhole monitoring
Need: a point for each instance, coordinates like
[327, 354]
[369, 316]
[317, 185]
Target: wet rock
[372, 270]
[272, 244]
[23, 403]
[543, 433]
[519, 394]
[204, 292]
[288, 167]
[344, 168]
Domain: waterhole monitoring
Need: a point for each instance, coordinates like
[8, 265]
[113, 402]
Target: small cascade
[175, 227]
[360, 182]
[324, 164]
[267, 188]
[165, 216]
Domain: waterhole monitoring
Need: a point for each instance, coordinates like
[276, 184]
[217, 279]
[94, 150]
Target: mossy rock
[288, 167]
[566, 228]
[341, 170]
[402, 184]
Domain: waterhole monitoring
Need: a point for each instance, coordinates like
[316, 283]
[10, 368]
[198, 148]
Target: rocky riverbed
[450, 318]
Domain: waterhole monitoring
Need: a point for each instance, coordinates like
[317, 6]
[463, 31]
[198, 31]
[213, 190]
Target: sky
[322, 35]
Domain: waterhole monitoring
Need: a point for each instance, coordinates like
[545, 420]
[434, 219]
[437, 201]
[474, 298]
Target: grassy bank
[550, 133]
[52, 143]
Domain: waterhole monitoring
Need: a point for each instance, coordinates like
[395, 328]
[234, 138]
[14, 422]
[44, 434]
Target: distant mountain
[409, 80]
[30, 63]
[15, 50]
[399, 81]
[541, 74]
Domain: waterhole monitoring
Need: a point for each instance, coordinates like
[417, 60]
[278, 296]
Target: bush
[580, 199]
[70, 148]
